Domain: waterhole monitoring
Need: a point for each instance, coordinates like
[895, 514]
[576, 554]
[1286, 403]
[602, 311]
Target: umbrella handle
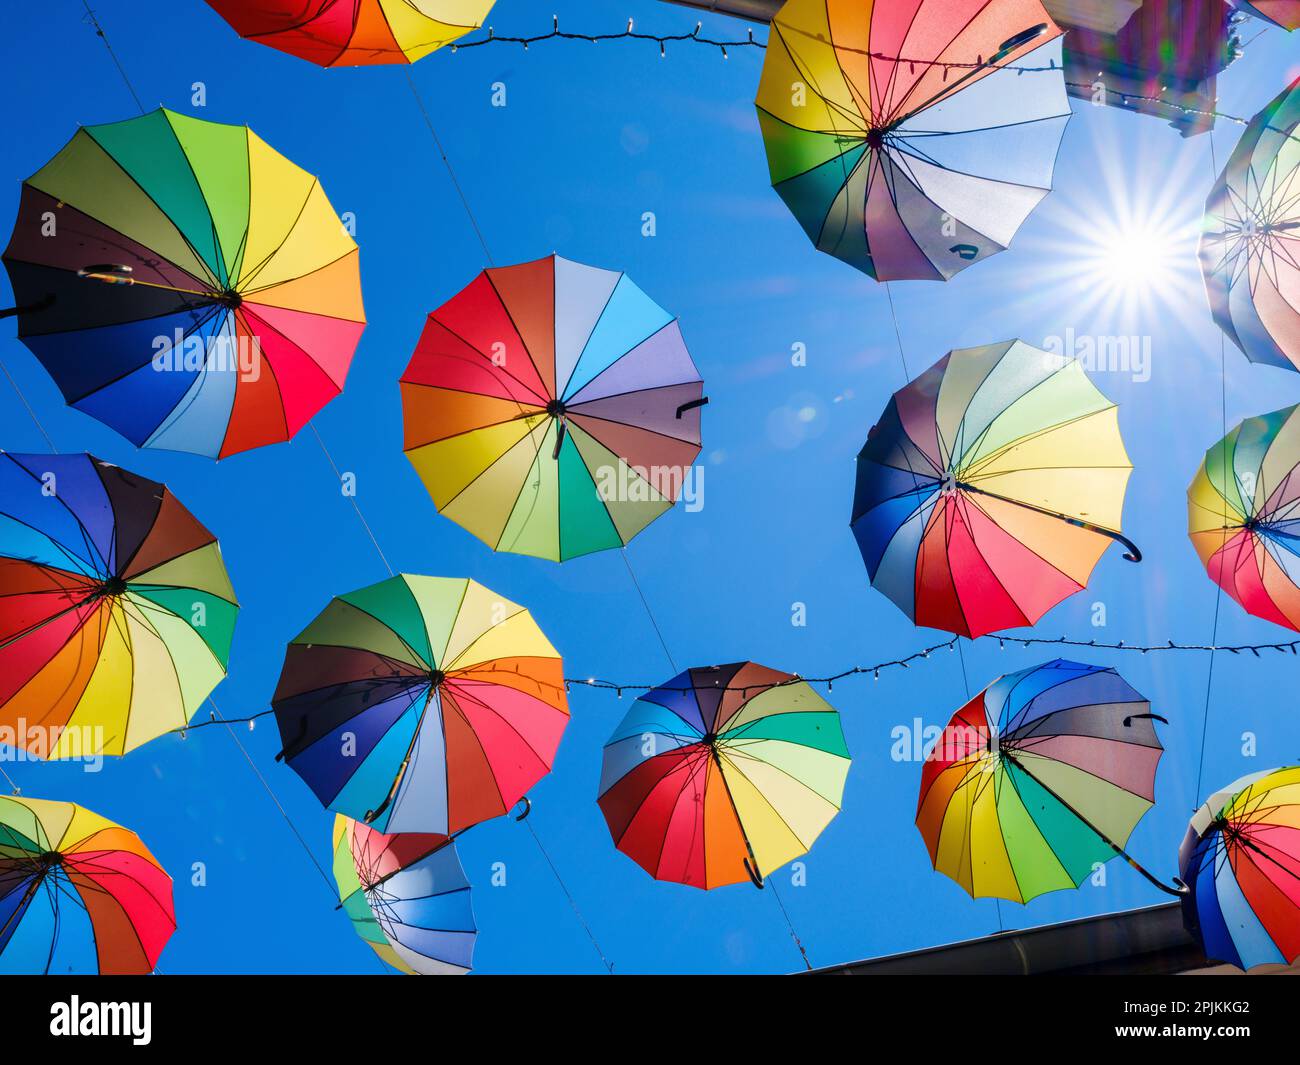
[753, 874]
[1133, 554]
[528, 808]
[1178, 891]
[692, 405]
[559, 439]
[32, 308]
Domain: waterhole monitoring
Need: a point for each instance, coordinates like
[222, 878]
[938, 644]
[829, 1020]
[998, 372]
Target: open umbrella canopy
[1284, 13]
[990, 488]
[552, 409]
[1243, 515]
[912, 138]
[421, 704]
[78, 894]
[116, 613]
[407, 896]
[185, 284]
[1036, 780]
[723, 774]
[1250, 245]
[346, 33]
[1241, 862]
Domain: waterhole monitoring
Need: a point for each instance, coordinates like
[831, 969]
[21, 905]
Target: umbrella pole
[751, 863]
[1133, 554]
[1178, 890]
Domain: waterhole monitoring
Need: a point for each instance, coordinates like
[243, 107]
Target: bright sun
[1124, 247]
[1138, 258]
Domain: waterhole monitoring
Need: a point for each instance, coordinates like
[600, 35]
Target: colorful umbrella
[185, 284]
[1250, 246]
[1284, 13]
[552, 409]
[78, 894]
[1243, 515]
[1039, 778]
[990, 488]
[897, 135]
[407, 896]
[116, 614]
[723, 774]
[1241, 863]
[346, 33]
[421, 704]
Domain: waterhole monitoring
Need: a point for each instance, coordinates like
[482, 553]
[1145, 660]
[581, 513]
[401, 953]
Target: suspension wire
[99, 32]
[30, 410]
[446, 162]
[218, 719]
[1218, 586]
[803, 953]
[352, 499]
[609, 968]
[16, 790]
[649, 613]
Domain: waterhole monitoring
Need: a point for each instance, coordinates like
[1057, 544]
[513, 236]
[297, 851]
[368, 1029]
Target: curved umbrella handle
[1128, 721]
[753, 874]
[528, 808]
[701, 402]
[1133, 554]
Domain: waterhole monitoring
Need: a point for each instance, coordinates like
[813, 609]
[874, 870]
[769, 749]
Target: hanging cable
[649, 613]
[99, 32]
[1218, 587]
[30, 410]
[329, 881]
[609, 968]
[353, 500]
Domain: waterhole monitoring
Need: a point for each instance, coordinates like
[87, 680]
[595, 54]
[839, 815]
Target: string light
[1126, 99]
[1291, 646]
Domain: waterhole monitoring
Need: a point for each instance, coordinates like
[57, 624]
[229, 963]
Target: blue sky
[591, 138]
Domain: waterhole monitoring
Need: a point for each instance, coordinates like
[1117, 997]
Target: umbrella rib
[85, 533]
[211, 278]
[541, 376]
[539, 443]
[250, 276]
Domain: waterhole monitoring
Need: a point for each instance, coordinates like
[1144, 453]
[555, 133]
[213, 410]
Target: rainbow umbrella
[345, 33]
[421, 704]
[1039, 778]
[407, 896]
[1250, 244]
[990, 488]
[552, 409]
[723, 774]
[185, 284]
[1284, 13]
[1241, 863]
[116, 613]
[78, 894]
[912, 138]
[1243, 515]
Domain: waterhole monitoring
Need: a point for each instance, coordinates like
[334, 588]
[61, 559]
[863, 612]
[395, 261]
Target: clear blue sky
[591, 138]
